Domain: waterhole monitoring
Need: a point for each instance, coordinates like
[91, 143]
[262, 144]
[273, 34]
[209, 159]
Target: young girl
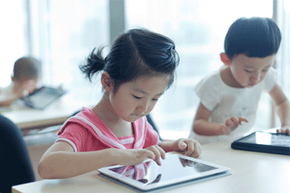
[138, 69]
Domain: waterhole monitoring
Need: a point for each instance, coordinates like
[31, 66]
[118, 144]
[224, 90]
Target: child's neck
[106, 113]
[228, 78]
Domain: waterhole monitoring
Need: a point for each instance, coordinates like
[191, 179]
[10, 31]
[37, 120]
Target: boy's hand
[188, 147]
[137, 156]
[231, 124]
[285, 130]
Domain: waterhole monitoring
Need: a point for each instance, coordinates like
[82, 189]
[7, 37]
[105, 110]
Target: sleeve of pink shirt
[75, 135]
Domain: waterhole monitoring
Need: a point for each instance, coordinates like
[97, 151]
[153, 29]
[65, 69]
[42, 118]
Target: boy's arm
[60, 160]
[281, 104]
[9, 101]
[202, 126]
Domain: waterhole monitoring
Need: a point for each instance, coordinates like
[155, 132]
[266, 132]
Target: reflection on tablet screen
[268, 139]
[174, 167]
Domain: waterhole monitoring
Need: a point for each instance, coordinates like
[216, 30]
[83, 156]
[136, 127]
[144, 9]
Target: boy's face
[25, 85]
[249, 71]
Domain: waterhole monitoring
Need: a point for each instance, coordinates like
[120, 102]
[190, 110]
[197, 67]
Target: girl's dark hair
[254, 37]
[138, 52]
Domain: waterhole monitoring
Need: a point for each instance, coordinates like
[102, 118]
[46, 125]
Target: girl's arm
[60, 160]
[282, 107]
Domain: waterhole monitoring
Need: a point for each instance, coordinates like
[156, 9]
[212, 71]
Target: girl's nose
[143, 107]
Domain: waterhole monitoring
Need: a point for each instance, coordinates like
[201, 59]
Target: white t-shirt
[224, 101]
[7, 92]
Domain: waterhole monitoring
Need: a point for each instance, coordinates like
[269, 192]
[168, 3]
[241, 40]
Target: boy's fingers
[229, 122]
[242, 119]
[235, 120]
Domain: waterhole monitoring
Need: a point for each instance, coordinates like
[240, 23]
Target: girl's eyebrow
[144, 92]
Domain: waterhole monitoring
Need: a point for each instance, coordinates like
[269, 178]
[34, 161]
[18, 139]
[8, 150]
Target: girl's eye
[248, 71]
[136, 97]
[265, 70]
[154, 99]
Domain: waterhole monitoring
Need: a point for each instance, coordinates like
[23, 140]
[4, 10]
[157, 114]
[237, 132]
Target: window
[283, 57]
[65, 33]
[198, 28]
[14, 33]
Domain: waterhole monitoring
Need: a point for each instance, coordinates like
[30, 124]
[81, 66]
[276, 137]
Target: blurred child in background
[26, 73]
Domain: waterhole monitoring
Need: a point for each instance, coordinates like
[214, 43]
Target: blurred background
[61, 33]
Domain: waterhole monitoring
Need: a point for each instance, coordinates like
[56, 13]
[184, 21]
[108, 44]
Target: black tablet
[264, 142]
[175, 170]
[43, 97]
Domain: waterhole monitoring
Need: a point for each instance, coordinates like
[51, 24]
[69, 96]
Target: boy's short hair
[254, 37]
[26, 68]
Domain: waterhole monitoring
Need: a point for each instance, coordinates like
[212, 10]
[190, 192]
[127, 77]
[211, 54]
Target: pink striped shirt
[87, 132]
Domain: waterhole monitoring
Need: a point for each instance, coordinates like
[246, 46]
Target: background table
[251, 172]
[56, 113]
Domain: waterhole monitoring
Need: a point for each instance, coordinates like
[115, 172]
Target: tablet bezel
[139, 185]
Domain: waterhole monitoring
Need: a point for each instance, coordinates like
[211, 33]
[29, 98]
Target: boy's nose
[256, 77]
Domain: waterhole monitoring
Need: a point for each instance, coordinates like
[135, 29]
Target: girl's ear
[107, 81]
[225, 59]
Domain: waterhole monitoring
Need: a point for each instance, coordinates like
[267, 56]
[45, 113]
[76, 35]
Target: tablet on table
[43, 97]
[265, 142]
[176, 169]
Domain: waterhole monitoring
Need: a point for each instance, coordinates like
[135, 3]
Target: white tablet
[175, 169]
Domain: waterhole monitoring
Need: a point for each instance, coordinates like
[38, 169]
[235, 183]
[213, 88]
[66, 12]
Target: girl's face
[249, 71]
[137, 98]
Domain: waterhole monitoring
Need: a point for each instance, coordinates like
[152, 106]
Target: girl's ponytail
[94, 63]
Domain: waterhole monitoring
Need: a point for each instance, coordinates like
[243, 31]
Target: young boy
[23, 81]
[230, 96]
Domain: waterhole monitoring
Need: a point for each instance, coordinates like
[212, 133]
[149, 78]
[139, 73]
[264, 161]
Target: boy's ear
[225, 59]
[107, 81]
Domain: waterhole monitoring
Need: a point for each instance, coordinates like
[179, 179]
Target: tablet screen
[42, 97]
[267, 139]
[175, 167]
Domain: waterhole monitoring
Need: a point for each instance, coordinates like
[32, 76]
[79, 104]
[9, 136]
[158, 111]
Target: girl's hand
[285, 130]
[137, 156]
[158, 153]
[231, 124]
[188, 147]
